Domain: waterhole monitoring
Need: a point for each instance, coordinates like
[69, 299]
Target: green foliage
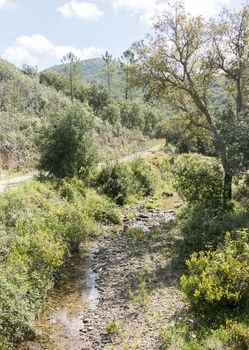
[25, 106]
[238, 334]
[29, 70]
[185, 136]
[67, 148]
[116, 182]
[97, 97]
[178, 337]
[219, 279]
[111, 113]
[146, 177]
[139, 177]
[198, 179]
[54, 79]
[40, 223]
[113, 327]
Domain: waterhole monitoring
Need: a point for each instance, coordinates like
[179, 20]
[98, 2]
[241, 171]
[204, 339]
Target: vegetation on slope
[29, 107]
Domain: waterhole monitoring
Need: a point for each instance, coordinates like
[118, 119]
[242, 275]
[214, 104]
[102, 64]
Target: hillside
[91, 69]
[26, 106]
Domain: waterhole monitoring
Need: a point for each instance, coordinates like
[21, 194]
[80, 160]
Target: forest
[145, 160]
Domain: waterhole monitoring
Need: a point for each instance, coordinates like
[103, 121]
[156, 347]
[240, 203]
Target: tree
[29, 70]
[127, 62]
[72, 69]
[186, 59]
[109, 68]
[55, 79]
[67, 148]
[97, 97]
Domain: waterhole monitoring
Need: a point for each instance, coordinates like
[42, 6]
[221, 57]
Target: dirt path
[137, 282]
[14, 182]
[9, 183]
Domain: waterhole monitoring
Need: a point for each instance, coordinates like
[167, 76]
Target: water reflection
[60, 324]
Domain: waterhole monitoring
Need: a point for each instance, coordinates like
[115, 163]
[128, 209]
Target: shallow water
[60, 325]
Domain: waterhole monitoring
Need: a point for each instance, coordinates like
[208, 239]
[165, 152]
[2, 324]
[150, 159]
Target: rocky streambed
[122, 289]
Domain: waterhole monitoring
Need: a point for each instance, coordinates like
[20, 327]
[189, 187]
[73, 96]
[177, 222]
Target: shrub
[67, 147]
[199, 179]
[111, 113]
[39, 224]
[203, 225]
[219, 279]
[145, 177]
[238, 333]
[116, 182]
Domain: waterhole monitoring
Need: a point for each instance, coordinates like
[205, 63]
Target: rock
[170, 211]
[142, 227]
[167, 194]
[143, 216]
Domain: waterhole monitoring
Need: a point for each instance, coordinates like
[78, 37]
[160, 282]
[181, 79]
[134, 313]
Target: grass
[113, 327]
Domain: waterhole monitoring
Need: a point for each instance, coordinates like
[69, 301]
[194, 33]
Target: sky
[41, 32]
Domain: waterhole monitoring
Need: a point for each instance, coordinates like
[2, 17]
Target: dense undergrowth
[44, 221]
[215, 243]
[28, 108]
[41, 224]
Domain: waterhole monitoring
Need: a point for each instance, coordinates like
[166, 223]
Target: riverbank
[134, 284]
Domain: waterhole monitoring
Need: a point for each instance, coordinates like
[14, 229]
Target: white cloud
[36, 43]
[84, 53]
[29, 49]
[5, 4]
[135, 6]
[146, 9]
[83, 10]
[18, 55]
[206, 8]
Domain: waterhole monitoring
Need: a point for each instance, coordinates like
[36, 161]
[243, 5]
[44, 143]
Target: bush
[116, 182]
[67, 146]
[39, 224]
[238, 334]
[145, 177]
[203, 226]
[199, 179]
[219, 279]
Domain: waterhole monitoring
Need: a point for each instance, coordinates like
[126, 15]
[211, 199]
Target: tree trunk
[109, 82]
[227, 190]
[71, 82]
[239, 100]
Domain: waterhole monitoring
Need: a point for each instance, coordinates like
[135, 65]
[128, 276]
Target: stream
[60, 324]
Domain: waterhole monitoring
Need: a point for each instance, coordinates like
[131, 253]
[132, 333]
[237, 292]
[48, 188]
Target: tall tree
[127, 62]
[186, 59]
[72, 69]
[109, 68]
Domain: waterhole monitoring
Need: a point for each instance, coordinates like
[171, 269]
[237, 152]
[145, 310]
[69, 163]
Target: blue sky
[40, 32]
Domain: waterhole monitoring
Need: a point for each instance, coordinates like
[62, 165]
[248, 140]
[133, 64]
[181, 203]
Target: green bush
[199, 179]
[219, 279]
[67, 146]
[203, 225]
[139, 177]
[116, 182]
[39, 224]
[238, 334]
[145, 176]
